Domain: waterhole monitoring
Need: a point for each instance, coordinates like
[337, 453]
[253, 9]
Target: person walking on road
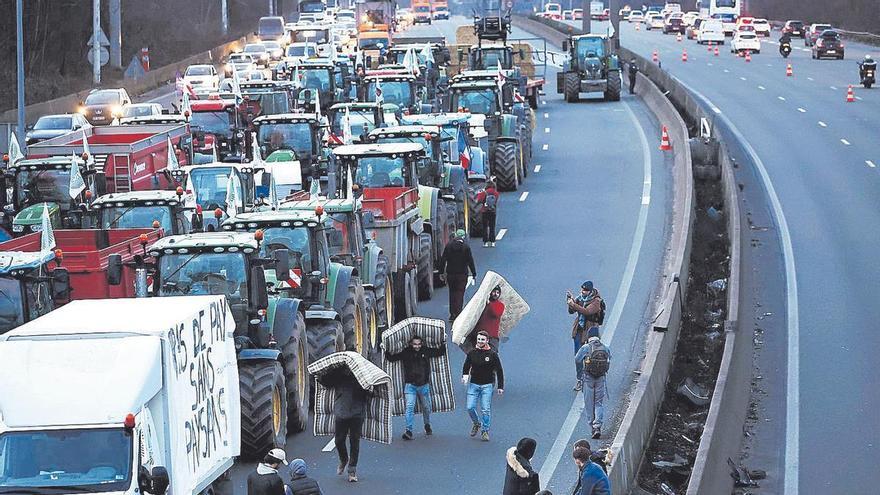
[590, 309]
[455, 263]
[300, 482]
[592, 480]
[489, 198]
[520, 478]
[490, 319]
[265, 480]
[633, 70]
[349, 407]
[596, 359]
[481, 368]
[417, 380]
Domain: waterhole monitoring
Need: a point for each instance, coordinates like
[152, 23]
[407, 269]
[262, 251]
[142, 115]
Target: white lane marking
[792, 404]
[561, 444]
[500, 234]
[801, 110]
[823, 124]
[844, 141]
[762, 88]
[742, 78]
[546, 115]
[858, 97]
[523, 196]
[537, 168]
[781, 98]
[810, 79]
[870, 163]
[726, 71]
[543, 102]
[331, 445]
[833, 87]
[546, 130]
[769, 65]
[545, 147]
[709, 64]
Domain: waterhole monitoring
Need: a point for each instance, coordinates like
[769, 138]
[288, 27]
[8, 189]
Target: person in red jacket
[489, 198]
[490, 320]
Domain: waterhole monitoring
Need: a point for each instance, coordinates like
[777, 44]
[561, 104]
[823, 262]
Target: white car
[202, 77]
[300, 50]
[636, 16]
[711, 31]
[239, 62]
[655, 21]
[275, 50]
[745, 41]
[689, 18]
[345, 15]
[762, 27]
[140, 110]
[259, 52]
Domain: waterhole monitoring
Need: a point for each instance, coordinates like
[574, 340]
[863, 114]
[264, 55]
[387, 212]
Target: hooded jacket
[300, 484]
[457, 259]
[520, 478]
[265, 481]
[589, 311]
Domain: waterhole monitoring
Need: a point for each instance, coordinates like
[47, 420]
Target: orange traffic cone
[716, 51]
[664, 140]
[654, 56]
[684, 56]
[637, 27]
[748, 56]
[678, 37]
[709, 46]
[850, 96]
[788, 71]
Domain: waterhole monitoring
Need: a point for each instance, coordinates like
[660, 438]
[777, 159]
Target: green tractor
[41, 182]
[592, 66]
[167, 210]
[331, 293]
[270, 328]
[285, 139]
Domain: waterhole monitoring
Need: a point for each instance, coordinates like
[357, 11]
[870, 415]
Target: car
[238, 62]
[655, 21]
[744, 41]
[673, 25]
[711, 31]
[577, 14]
[345, 15]
[746, 28]
[259, 52]
[636, 16]
[300, 50]
[50, 126]
[624, 13]
[651, 12]
[275, 50]
[133, 110]
[688, 18]
[103, 106]
[828, 44]
[553, 11]
[744, 21]
[567, 15]
[762, 27]
[202, 76]
[813, 32]
[795, 29]
[693, 30]
[728, 23]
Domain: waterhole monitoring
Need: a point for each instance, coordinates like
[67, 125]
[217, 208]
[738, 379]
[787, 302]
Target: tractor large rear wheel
[572, 87]
[263, 407]
[476, 219]
[527, 142]
[296, 361]
[425, 268]
[403, 302]
[384, 293]
[442, 234]
[506, 165]
[325, 337]
[354, 319]
[374, 333]
[612, 88]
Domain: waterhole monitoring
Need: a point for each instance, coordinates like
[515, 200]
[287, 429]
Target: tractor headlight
[18, 228]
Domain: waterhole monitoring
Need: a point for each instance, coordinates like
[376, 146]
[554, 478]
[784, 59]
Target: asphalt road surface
[596, 209]
[818, 351]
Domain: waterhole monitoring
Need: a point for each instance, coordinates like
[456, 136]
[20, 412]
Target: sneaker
[352, 476]
[341, 468]
[428, 430]
[474, 430]
[407, 435]
[597, 433]
[492, 244]
[485, 436]
[578, 386]
[485, 244]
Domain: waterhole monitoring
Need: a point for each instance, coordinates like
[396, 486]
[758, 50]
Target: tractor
[213, 185]
[168, 210]
[363, 117]
[592, 66]
[292, 139]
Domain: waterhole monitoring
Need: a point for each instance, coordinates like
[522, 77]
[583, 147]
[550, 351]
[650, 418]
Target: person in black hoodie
[480, 369]
[417, 380]
[265, 480]
[455, 262]
[300, 483]
[521, 479]
[349, 407]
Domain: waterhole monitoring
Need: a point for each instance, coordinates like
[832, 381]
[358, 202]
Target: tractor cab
[399, 89]
[429, 137]
[29, 287]
[45, 182]
[289, 138]
[225, 189]
[265, 98]
[316, 80]
[489, 55]
[363, 117]
[476, 96]
[217, 127]
[168, 210]
[385, 166]
[591, 66]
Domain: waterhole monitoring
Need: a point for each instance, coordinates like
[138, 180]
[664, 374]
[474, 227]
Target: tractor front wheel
[263, 407]
[506, 165]
[325, 337]
[476, 219]
[354, 319]
[572, 87]
[612, 87]
[425, 268]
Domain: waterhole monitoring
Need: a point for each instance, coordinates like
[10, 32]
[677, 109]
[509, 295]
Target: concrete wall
[151, 80]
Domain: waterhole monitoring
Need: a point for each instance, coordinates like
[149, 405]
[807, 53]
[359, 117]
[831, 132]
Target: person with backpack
[596, 359]
[488, 198]
[590, 309]
[592, 480]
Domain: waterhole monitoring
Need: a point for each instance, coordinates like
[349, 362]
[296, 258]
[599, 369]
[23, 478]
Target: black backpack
[600, 316]
[597, 361]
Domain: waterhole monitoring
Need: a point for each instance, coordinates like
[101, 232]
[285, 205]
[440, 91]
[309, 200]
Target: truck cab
[217, 127]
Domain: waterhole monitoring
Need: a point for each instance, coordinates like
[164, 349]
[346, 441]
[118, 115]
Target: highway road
[595, 206]
[817, 346]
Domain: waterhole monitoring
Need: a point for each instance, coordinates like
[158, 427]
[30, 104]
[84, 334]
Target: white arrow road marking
[545, 147]
[870, 163]
[331, 445]
[537, 168]
[523, 196]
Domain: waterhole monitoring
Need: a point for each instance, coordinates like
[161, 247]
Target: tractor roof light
[218, 213]
[59, 257]
[258, 235]
[129, 422]
[319, 210]
[156, 225]
[179, 191]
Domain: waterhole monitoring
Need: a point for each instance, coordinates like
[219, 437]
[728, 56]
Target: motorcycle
[867, 73]
[785, 49]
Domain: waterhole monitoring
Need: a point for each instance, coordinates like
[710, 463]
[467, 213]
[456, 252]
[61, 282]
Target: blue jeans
[578, 365]
[423, 394]
[594, 399]
[483, 394]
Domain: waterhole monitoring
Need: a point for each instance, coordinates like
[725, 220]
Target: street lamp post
[96, 46]
[19, 61]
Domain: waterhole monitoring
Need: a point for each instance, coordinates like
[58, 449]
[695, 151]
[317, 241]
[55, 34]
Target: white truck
[121, 396]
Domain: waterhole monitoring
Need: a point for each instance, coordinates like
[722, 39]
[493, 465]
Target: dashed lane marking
[762, 88]
[545, 147]
[781, 98]
[523, 196]
[870, 163]
[822, 124]
[546, 130]
[833, 87]
[844, 141]
[500, 234]
[546, 115]
[801, 110]
[742, 78]
[537, 168]
[726, 71]
[810, 79]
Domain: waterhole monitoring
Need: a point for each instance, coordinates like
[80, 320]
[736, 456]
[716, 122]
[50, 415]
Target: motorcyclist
[784, 41]
[867, 64]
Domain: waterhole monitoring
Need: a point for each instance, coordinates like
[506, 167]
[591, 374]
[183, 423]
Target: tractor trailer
[121, 396]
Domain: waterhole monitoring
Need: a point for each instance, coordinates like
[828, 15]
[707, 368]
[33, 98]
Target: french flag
[464, 151]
